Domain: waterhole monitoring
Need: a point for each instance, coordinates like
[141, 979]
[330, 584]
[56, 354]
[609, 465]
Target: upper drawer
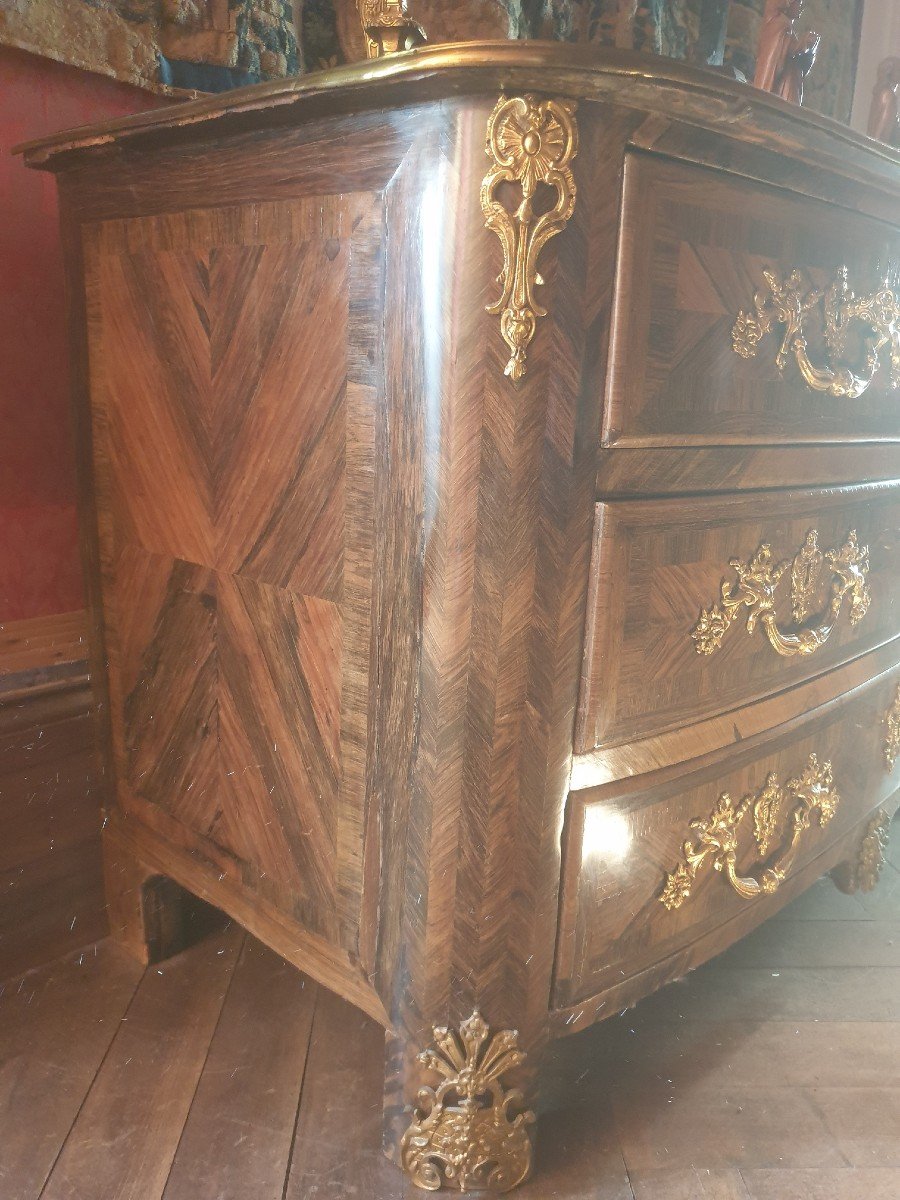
[694, 246]
[653, 662]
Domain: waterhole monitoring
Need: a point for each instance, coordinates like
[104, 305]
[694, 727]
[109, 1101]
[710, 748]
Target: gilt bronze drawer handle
[758, 580]
[892, 737]
[464, 1134]
[715, 837]
[529, 142]
[787, 303]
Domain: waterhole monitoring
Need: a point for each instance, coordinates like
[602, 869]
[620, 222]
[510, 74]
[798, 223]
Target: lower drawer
[653, 863]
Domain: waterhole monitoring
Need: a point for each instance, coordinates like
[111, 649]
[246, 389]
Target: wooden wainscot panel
[665, 649]
[626, 902]
[51, 878]
[694, 247]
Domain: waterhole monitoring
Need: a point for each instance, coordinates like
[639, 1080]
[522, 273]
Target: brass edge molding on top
[757, 583]
[388, 27]
[861, 873]
[463, 1135]
[715, 838]
[529, 142]
[892, 736]
[787, 302]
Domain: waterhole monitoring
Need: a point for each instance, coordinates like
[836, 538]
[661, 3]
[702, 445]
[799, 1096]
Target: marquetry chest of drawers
[489, 461]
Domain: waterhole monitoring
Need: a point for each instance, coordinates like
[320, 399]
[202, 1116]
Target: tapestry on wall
[201, 45]
[829, 86]
[209, 45]
[705, 32]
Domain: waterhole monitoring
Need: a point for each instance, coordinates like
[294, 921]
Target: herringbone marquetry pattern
[220, 450]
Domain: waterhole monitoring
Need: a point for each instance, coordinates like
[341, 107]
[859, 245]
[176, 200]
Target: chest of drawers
[489, 469]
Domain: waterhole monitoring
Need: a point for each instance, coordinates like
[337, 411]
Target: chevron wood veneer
[394, 652]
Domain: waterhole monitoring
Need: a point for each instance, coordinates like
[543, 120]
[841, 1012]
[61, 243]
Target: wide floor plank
[238, 1136]
[56, 1024]
[122, 1144]
[337, 1149]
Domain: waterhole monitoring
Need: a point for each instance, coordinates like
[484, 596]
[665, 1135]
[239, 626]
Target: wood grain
[658, 563]
[611, 918]
[238, 1135]
[50, 794]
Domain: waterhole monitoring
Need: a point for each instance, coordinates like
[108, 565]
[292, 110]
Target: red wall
[39, 568]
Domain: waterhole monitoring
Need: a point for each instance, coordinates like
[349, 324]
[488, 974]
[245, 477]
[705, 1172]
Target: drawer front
[690, 616]
[694, 246]
[642, 879]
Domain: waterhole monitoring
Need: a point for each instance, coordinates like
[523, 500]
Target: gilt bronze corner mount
[530, 143]
[469, 1133]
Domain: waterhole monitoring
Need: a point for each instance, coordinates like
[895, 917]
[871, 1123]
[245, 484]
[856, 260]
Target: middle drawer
[700, 605]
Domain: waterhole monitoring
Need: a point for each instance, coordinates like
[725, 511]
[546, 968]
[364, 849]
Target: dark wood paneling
[694, 243]
[657, 563]
[622, 839]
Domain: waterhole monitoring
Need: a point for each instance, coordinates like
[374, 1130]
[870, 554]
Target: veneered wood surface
[622, 839]
[725, 729]
[693, 246]
[635, 471]
[658, 563]
[220, 438]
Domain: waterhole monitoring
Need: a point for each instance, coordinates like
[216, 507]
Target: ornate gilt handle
[787, 303]
[714, 839]
[530, 143]
[757, 583]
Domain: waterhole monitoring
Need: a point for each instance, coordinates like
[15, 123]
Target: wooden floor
[771, 1074]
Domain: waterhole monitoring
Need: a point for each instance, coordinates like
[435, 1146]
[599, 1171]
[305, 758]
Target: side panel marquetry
[700, 605]
[221, 429]
[696, 245]
[656, 862]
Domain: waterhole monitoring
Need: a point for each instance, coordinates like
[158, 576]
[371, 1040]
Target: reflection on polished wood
[393, 655]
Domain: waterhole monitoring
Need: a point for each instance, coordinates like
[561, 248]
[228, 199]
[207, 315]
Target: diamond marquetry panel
[220, 430]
